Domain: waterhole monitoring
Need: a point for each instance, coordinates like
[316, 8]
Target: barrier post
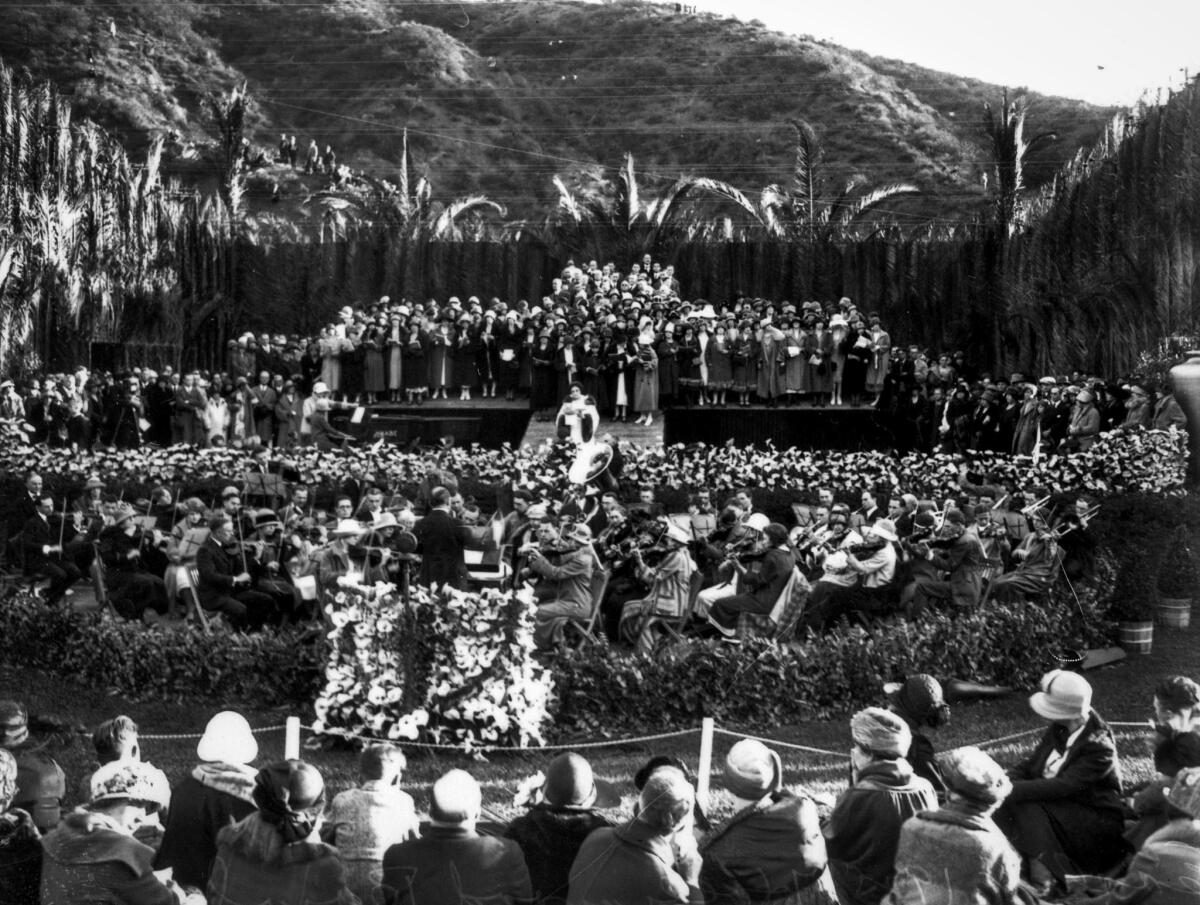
[705, 768]
[291, 738]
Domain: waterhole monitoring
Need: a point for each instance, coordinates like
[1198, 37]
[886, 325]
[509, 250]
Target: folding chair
[780, 623]
[97, 572]
[586, 629]
[191, 601]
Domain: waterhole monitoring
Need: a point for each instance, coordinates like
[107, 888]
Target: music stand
[268, 487]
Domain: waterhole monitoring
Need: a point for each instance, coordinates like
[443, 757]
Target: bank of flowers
[445, 667]
[1143, 462]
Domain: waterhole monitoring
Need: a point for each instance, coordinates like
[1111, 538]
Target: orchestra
[697, 572]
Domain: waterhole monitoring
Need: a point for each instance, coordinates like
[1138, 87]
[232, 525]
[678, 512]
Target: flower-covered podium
[447, 667]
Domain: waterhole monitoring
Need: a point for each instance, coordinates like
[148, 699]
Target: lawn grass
[1123, 693]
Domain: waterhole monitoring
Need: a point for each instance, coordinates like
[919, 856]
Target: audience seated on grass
[217, 792]
[276, 854]
[20, 843]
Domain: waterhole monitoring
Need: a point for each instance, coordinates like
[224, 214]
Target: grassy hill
[499, 97]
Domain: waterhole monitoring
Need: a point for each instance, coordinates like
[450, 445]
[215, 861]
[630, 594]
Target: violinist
[90, 506]
[271, 550]
[730, 532]
[1077, 539]
[670, 583]
[512, 527]
[873, 562]
[331, 562]
[748, 547]
[182, 545]
[616, 546]
[992, 537]
[231, 506]
[960, 556]
[758, 591]
[297, 510]
[225, 581]
[1037, 561]
[565, 591]
[133, 590]
[836, 574]
[536, 515]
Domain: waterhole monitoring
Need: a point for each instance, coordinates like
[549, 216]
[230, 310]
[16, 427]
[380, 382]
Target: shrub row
[269, 668]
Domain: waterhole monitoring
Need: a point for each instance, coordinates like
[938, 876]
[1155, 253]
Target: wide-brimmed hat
[1064, 695]
[93, 483]
[757, 522]
[581, 534]
[347, 527]
[570, 785]
[122, 513]
[677, 534]
[382, 520]
[346, 311]
[885, 528]
[752, 770]
[537, 511]
[227, 739]
[132, 780]
[265, 517]
[838, 320]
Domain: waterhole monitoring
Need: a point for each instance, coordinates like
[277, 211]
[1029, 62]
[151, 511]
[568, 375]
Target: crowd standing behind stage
[630, 342]
[914, 827]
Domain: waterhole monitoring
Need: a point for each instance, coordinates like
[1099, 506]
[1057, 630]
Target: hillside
[499, 97]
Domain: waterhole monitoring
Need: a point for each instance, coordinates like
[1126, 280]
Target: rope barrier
[840, 755]
[612, 743]
[620, 742]
[185, 736]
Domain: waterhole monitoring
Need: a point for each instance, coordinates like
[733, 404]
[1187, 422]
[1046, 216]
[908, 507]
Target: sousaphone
[591, 462]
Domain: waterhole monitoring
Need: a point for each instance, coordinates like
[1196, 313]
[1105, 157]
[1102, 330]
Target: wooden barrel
[1136, 637]
[1174, 612]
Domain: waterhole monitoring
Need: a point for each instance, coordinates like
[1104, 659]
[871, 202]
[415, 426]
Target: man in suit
[44, 554]
[869, 512]
[297, 510]
[565, 588]
[757, 591]
[440, 541]
[963, 561]
[451, 861]
[222, 587]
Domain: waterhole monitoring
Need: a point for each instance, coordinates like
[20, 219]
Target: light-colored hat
[320, 388]
[134, 780]
[884, 528]
[1064, 696]
[348, 527]
[122, 513]
[757, 522]
[537, 510]
[581, 533]
[383, 520]
[752, 770]
[974, 775]
[227, 739]
[675, 533]
[1185, 791]
[880, 732]
[705, 313]
[93, 483]
[346, 311]
[837, 320]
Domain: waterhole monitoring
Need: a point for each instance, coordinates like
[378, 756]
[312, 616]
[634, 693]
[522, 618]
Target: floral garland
[447, 668]
[1145, 462]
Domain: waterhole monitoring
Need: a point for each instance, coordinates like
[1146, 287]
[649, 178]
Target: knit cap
[880, 732]
[752, 770]
[974, 775]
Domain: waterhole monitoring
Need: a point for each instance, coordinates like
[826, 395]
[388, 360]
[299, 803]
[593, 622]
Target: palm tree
[402, 209]
[1005, 132]
[812, 208]
[615, 219]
